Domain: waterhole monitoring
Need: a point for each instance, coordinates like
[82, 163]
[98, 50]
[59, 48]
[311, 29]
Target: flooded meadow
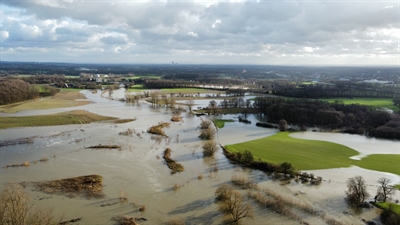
[138, 172]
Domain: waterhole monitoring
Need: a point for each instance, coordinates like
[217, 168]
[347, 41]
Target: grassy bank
[313, 155]
[221, 123]
[376, 102]
[385, 163]
[66, 98]
[302, 154]
[137, 88]
[71, 117]
[387, 205]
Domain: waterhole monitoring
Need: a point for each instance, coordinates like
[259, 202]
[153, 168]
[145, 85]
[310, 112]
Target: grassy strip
[221, 123]
[388, 206]
[100, 146]
[380, 162]
[137, 88]
[66, 98]
[397, 186]
[313, 155]
[124, 120]
[71, 117]
[377, 102]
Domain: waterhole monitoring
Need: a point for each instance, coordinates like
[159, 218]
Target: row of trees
[357, 190]
[336, 90]
[357, 194]
[353, 118]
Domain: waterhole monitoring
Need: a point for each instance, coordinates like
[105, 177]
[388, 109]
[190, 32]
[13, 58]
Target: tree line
[336, 90]
[353, 118]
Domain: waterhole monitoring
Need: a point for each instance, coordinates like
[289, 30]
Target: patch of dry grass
[71, 117]
[90, 186]
[60, 100]
[158, 129]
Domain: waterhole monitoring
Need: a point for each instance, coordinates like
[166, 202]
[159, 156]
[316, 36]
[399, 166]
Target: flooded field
[138, 169]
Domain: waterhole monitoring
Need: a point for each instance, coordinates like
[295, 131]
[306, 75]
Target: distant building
[375, 81]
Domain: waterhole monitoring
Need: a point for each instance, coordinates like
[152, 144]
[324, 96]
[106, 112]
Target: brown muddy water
[138, 169]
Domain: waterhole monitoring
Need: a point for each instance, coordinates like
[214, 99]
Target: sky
[263, 32]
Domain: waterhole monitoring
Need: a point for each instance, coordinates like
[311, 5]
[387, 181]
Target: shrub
[223, 192]
[176, 119]
[205, 124]
[207, 134]
[209, 148]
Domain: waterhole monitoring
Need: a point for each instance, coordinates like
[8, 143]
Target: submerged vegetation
[90, 186]
[158, 129]
[172, 165]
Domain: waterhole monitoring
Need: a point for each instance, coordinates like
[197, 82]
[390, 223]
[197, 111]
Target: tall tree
[385, 190]
[356, 190]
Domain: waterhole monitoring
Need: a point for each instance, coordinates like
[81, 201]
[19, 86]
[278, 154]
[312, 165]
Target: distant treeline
[353, 118]
[348, 90]
[167, 83]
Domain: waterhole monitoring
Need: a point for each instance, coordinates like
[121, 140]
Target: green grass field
[71, 117]
[221, 123]
[385, 163]
[137, 88]
[313, 155]
[377, 102]
[386, 205]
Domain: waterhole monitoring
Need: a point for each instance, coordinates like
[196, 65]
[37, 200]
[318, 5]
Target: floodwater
[139, 170]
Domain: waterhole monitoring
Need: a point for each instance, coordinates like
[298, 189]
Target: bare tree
[356, 190]
[235, 206]
[223, 192]
[385, 190]
[14, 205]
[207, 134]
[205, 124]
[190, 104]
[154, 100]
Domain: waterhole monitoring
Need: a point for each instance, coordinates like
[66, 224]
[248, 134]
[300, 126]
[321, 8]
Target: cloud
[197, 31]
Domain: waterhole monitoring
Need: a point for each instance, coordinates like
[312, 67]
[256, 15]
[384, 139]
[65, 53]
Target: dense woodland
[353, 118]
